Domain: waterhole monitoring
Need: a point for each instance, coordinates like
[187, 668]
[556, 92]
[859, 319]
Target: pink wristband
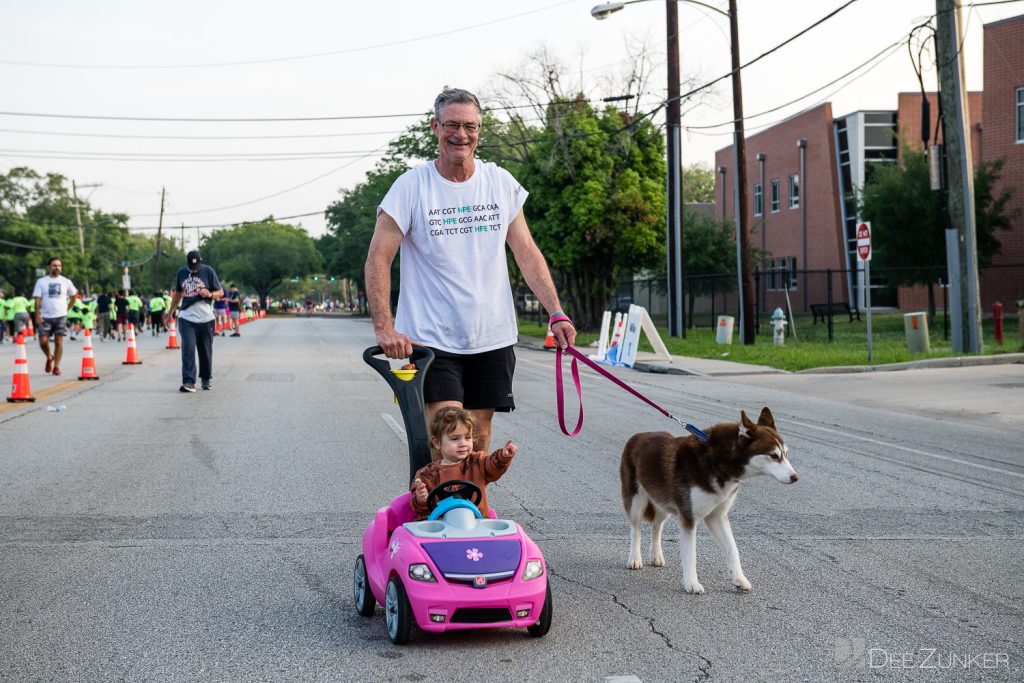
[559, 317]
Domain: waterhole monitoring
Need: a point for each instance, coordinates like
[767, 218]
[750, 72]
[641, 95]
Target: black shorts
[479, 380]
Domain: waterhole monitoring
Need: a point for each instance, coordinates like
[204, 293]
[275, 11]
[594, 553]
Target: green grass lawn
[811, 348]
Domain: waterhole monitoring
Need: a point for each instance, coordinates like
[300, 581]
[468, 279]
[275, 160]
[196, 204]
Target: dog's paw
[635, 564]
[741, 583]
[658, 561]
[693, 587]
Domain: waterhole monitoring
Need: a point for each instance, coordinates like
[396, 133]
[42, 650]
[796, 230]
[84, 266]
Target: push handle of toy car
[560, 401]
[409, 395]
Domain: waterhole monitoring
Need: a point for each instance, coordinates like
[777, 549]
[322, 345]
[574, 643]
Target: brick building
[839, 154]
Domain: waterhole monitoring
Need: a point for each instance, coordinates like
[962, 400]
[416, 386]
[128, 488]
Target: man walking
[453, 218]
[196, 289]
[235, 304]
[51, 295]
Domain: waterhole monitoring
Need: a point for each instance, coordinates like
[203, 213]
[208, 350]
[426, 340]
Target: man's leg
[58, 351]
[44, 344]
[187, 337]
[204, 344]
[482, 435]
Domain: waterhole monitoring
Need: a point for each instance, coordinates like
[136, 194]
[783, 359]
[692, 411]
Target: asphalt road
[151, 535]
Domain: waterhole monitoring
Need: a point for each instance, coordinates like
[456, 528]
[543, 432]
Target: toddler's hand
[421, 493]
[509, 449]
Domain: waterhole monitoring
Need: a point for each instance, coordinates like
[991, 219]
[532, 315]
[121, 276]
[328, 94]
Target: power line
[198, 137]
[272, 60]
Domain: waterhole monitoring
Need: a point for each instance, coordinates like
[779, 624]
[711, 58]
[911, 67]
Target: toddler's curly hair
[448, 418]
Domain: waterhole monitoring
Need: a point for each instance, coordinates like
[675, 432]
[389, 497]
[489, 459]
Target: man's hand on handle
[394, 344]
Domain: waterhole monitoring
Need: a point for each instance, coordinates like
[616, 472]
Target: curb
[959, 362]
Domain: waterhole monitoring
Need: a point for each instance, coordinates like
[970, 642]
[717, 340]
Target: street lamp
[676, 259]
[677, 304]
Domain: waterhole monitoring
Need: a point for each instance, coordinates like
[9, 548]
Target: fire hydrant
[779, 323]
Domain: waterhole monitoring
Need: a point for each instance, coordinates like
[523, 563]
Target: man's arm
[38, 309]
[535, 271]
[175, 300]
[387, 238]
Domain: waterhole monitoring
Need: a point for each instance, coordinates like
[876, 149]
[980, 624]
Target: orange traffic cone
[30, 331]
[549, 341]
[172, 341]
[217, 328]
[21, 392]
[132, 356]
[88, 362]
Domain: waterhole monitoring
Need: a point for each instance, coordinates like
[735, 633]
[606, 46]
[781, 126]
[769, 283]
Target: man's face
[55, 268]
[457, 145]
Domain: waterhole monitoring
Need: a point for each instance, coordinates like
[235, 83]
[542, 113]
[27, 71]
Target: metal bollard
[997, 322]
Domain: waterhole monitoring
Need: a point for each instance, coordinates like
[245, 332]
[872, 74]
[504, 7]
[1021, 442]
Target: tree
[908, 220]
[261, 255]
[597, 203]
[698, 184]
[37, 222]
[710, 257]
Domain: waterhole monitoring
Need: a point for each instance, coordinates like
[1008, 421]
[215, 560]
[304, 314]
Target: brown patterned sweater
[478, 467]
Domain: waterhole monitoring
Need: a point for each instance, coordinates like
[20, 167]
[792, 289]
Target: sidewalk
[710, 367]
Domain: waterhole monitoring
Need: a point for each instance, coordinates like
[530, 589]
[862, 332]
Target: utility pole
[676, 250]
[746, 275]
[78, 220]
[159, 237]
[961, 238]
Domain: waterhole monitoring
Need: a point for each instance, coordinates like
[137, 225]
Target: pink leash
[577, 355]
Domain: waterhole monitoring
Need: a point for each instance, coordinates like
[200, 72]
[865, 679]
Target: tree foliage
[261, 256]
[908, 219]
[37, 222]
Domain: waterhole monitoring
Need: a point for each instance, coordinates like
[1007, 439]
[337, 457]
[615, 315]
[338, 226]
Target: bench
[821, 310]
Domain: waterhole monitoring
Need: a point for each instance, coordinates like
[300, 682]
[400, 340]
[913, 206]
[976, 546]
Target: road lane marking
[888, 444]
[395, 427]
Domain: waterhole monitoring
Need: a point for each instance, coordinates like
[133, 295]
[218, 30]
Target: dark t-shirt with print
[235, 301]
[189, 284]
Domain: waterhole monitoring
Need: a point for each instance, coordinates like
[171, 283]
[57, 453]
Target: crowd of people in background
[107, 314]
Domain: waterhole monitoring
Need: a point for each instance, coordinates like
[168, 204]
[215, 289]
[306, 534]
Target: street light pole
[746, 273]
[674, 222]
[674, 210]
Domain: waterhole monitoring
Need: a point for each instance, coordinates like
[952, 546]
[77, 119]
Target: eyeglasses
[453, 127]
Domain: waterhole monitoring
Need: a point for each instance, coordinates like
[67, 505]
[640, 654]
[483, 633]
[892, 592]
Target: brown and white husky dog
[665, 475]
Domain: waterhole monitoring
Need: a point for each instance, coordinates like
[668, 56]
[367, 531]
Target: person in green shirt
[156, 313]
[18, 312]
[89, 316]
[135, 314]
[76, 309]
[3, 317]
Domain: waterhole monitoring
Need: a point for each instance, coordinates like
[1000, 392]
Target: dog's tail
[627, 473]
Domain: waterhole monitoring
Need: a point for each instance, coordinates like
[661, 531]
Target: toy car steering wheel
[456, 488]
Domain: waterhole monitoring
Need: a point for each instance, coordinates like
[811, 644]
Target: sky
[367, 70]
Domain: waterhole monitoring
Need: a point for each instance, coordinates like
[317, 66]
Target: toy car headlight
[534, 569]
[421, 572]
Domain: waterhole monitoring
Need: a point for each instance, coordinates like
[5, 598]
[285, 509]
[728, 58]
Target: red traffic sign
[864, 241]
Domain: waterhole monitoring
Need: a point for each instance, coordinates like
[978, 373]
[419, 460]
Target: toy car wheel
[361, 589]
[397, 612]
[543, 625]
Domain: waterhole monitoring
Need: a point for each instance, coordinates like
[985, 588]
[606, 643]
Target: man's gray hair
[454, 96]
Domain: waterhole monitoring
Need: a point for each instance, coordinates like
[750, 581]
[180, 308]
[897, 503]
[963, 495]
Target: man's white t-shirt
[53, 293]
[455, 292]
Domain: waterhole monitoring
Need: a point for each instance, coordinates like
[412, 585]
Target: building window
[758, 199]
[781, 274]
[775, 195]
[794, 191]
[1020, 114]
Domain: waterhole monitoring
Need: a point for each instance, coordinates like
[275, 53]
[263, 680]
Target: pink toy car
[453, 571]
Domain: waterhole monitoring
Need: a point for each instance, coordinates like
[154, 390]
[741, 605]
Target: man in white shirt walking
[51, 293]
[453, 218]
